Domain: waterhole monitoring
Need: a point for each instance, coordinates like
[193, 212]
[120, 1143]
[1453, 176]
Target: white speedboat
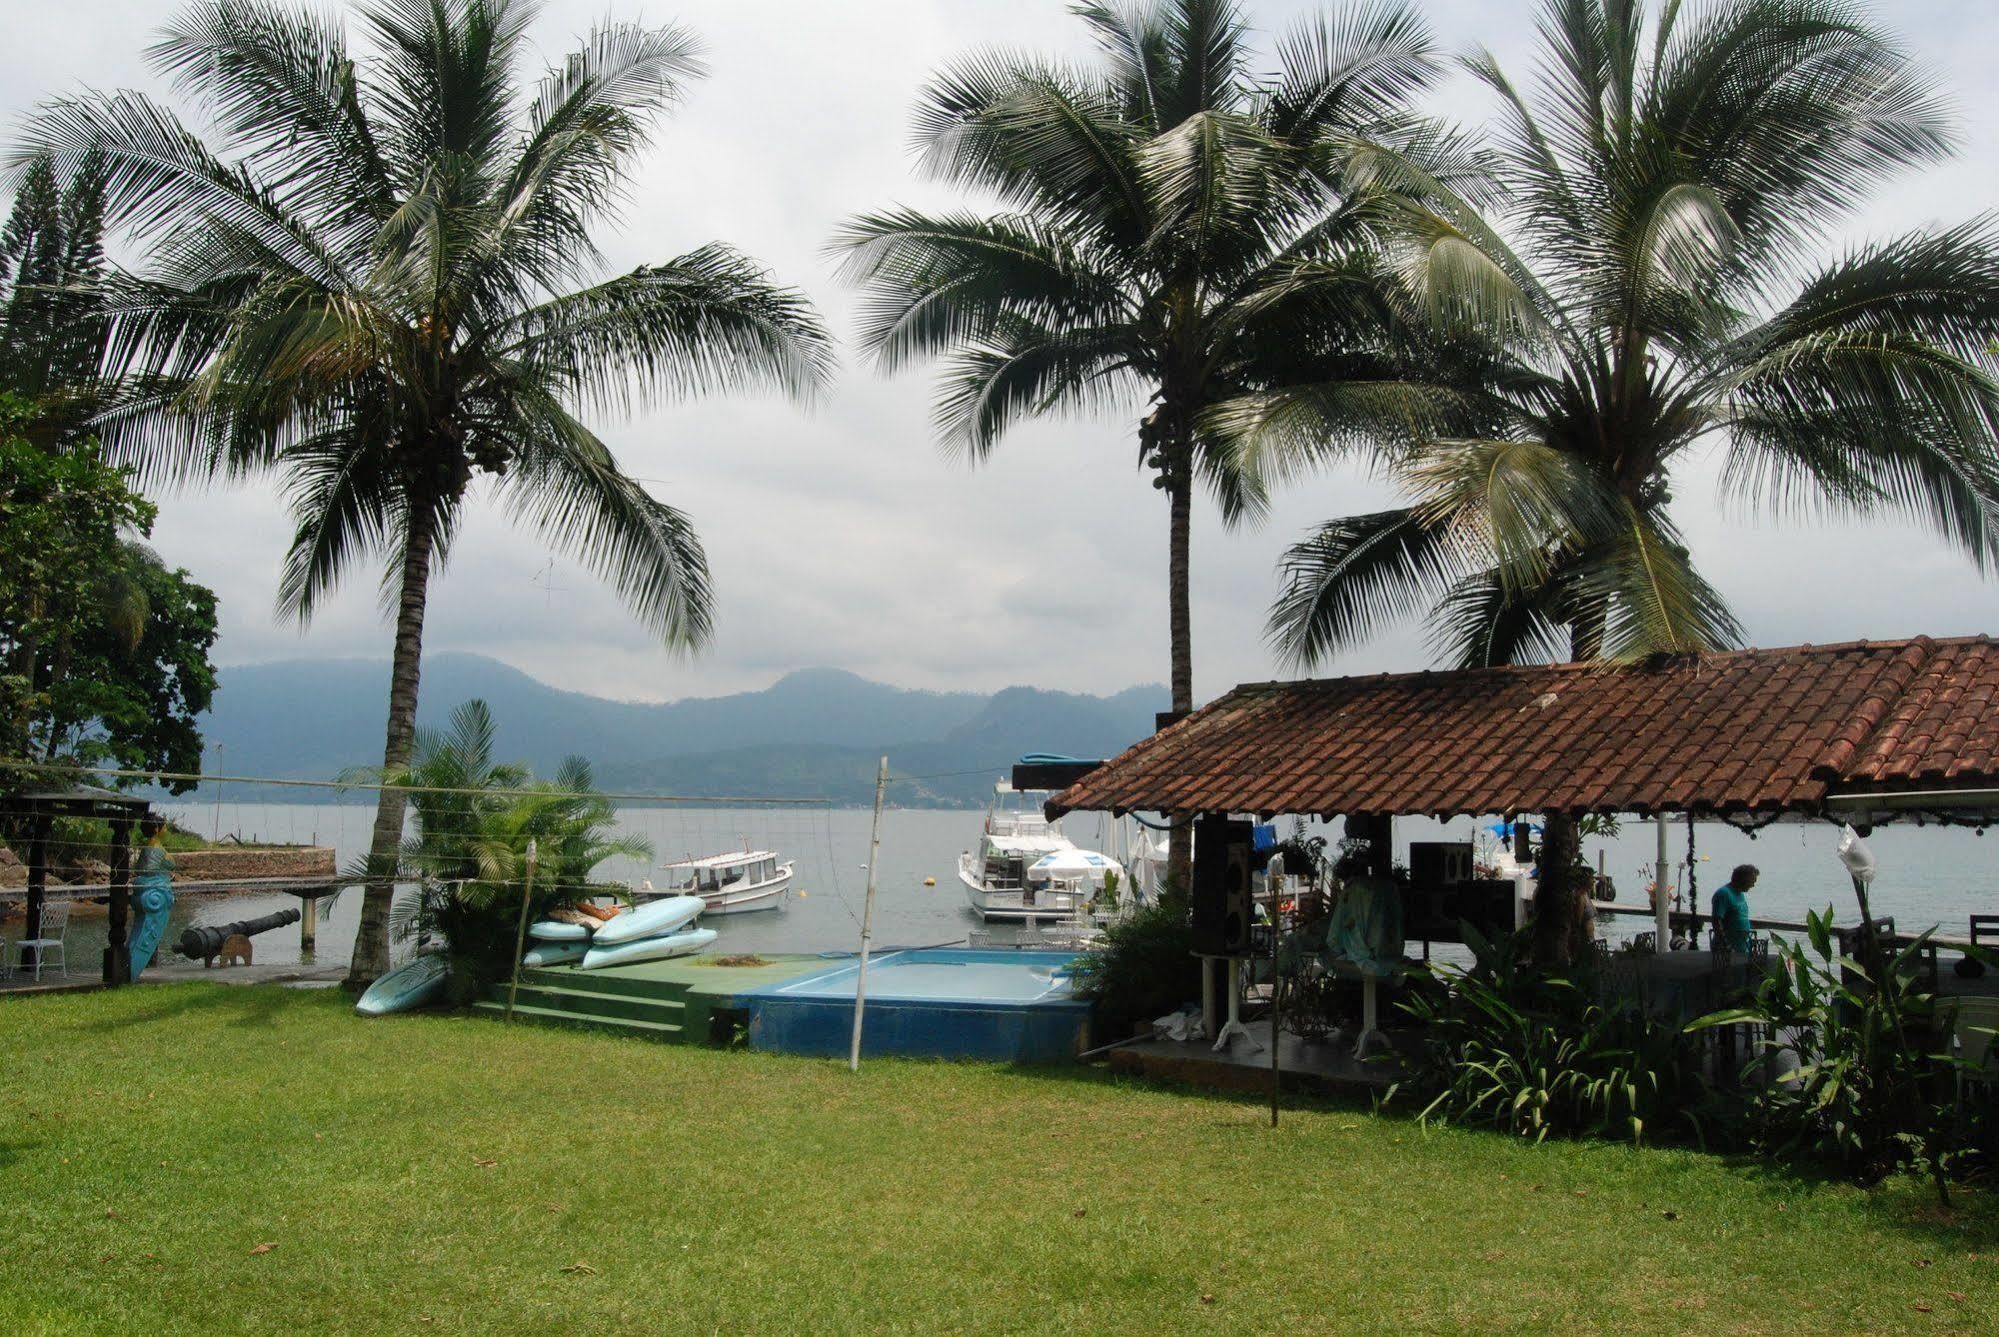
[996, 876]
[732, 884]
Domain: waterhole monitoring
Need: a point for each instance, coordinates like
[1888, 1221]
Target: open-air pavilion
[35, 812]
[1862, 733]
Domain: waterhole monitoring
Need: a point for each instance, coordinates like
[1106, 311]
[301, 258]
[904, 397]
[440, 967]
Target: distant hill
[816, 733]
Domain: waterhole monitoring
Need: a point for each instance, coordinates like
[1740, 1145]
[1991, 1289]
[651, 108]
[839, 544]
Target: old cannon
[231, 942]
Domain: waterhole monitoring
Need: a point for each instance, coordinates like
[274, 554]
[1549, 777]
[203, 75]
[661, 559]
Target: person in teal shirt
[1731, 909]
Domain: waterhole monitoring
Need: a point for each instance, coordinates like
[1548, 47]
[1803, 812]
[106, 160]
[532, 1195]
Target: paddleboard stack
[650, 932]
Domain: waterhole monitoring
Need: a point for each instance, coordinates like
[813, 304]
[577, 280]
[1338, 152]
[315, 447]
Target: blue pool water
[1007, 1006]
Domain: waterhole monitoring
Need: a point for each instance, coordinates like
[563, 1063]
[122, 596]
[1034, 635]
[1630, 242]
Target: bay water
[1929, 875]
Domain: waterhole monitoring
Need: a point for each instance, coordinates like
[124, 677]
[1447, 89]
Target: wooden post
[117, 952]
[38, 885]
[1273, 878]
[868, 917]
[520, 930]
[308, 928]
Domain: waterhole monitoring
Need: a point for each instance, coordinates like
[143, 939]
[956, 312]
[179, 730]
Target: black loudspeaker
[1439, 863]
[1224, 857]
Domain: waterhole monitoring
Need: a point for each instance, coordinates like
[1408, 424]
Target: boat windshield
[1018, 812]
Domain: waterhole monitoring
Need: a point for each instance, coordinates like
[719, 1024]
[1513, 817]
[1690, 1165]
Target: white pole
[868, 917]
[1662, 897]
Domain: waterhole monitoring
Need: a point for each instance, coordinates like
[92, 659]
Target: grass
[449, 1173]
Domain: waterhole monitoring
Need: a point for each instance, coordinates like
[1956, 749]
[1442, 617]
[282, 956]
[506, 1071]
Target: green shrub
[1872, 1092]
[1145, 966]
[1508, 1047]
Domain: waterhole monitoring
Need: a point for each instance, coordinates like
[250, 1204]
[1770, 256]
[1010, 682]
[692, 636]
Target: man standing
[1731, 910]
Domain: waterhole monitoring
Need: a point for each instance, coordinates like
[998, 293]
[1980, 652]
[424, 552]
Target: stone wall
[213, 865]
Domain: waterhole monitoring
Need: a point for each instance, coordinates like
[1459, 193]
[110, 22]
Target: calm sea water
[1928, 875]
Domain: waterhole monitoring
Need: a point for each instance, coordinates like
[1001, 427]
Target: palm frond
[566, 485]
[937, 281]
[706, 320]
[1354, 576]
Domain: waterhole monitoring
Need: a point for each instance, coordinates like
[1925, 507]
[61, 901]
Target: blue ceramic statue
[153, 893]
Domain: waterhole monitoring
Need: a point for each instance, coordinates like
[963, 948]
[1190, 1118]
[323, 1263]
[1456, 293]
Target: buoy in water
[929, 881]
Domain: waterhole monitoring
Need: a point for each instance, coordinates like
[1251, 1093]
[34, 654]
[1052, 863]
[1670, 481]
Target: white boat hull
[741, 900]
[1012, 907]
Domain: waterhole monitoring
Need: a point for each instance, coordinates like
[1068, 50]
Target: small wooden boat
[649, 920]
[684, 943]
[405, 987]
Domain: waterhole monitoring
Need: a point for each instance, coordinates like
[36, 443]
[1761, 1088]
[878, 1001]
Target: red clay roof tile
[1759, 730]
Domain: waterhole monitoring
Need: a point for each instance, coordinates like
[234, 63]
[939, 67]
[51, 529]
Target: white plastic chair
[55, 924]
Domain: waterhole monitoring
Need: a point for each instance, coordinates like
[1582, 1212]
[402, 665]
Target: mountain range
[815, 733]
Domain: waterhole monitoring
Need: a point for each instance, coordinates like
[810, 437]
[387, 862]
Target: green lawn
[449, 1173]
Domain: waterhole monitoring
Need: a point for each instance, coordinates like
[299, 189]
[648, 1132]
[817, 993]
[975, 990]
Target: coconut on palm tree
[1155, 205]
[1662, 282]
[380, 286]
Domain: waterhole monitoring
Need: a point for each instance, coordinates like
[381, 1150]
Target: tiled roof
[1745, 731]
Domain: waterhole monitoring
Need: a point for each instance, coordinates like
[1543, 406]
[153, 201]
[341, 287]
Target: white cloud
[842, 535]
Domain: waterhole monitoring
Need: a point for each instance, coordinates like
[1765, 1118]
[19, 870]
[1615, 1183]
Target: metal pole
[521, 930]
[868, 917]
[215, 831]
[1273, 878]
[1662, 905]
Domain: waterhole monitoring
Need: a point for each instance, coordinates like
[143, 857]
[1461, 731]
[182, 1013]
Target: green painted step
[593, 1003]
[550, 1016]
[598, 982]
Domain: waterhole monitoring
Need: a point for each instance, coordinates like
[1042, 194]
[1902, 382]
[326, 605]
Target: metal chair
[55, 924]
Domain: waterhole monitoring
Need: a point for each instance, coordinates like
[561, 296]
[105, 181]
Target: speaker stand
[1233, 1027]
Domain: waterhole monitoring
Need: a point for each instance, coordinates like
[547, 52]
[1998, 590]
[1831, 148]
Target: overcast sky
[842, 536]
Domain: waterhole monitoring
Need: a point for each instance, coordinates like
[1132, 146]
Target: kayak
[555, 953]
[554, 930]
[405, 987]
[650, 920]
[683, 943]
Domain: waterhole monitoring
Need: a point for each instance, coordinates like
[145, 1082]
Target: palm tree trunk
[371, 940]
[1561, 919]
[1180, 499]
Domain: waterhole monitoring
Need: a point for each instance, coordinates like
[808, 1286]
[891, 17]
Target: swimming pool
[938, 1003]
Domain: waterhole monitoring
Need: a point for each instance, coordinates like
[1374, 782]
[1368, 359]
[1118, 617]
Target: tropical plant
[1511, 1047]
[1870, 1060]
[1654, 286]
[370, 291]
[1145, 965]
[473, 821]
[1158, 205]
[103, 648]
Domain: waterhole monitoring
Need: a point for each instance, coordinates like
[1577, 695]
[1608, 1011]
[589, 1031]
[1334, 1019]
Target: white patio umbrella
[1067, 865]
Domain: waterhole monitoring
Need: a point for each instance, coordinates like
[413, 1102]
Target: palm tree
[1155, 203]
[1656, 286]
[390, 290]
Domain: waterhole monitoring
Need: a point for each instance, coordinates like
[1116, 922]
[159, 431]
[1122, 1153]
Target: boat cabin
[718, 872]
